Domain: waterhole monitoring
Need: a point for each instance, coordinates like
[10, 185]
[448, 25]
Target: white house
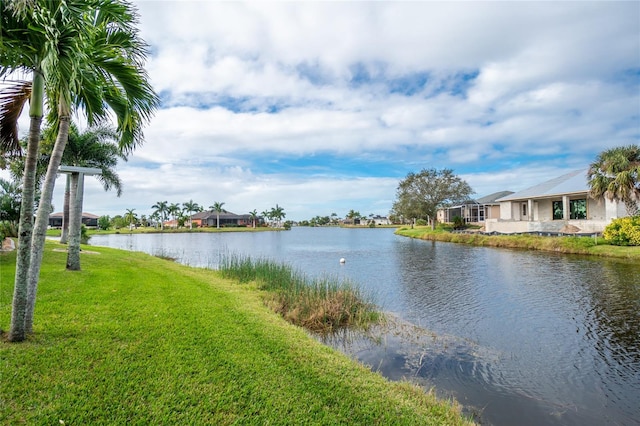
[474, 211]
[562, 204]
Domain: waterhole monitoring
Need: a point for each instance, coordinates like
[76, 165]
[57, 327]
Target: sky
[324, 107]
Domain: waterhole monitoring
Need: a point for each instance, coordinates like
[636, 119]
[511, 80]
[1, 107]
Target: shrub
[458, 223]
[624, 231]
[104, 223]
[421, 222]
[84, 235]
[8, 229]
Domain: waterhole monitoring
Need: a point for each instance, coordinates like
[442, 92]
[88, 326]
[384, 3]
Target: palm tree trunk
[42, 218]
[65, 213]
[75, 222]
[17, 330]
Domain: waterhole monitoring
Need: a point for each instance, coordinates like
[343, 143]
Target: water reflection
[518, 337]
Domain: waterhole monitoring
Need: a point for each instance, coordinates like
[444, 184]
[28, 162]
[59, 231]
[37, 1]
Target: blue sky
[323, 107]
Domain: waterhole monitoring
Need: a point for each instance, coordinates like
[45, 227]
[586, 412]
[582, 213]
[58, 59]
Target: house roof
[84, 215]
[487, 199]
[491, 198]
[223, 215]
[571, 183]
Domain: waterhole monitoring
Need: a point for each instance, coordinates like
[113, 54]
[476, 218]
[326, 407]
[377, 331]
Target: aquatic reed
[321, 305]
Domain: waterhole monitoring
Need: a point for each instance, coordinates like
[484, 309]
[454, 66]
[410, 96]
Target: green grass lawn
[133, 339]
[567, 244]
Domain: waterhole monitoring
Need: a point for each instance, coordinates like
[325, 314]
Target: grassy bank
[568, 244]
[322, 305]
[133, 339]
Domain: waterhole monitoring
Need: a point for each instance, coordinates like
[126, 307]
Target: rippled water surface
[518, 337]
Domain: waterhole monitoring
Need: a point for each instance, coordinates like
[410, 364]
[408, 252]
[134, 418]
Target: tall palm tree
[254, 216]
[161, 209]
[83, 55]
[174, 210]
[217, 207]
[95, 147]
[130, 216]
[267, 214]
[278, 213]
[616, 175]
[191, 207]
[154, 217]
[37, 40]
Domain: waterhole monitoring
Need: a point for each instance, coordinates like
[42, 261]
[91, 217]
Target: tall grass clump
[321, 305]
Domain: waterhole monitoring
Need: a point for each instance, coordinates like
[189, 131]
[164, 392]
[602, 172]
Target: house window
[524, 210]
[578, 209]
[558, 211]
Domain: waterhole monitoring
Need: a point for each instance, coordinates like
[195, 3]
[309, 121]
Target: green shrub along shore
[135, 339]
[566, 244]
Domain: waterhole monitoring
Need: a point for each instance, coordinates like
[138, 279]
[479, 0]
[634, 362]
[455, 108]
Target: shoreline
[578, 245]
[201, 347]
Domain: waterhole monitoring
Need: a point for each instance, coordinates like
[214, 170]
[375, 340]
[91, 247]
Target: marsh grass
[321, 305]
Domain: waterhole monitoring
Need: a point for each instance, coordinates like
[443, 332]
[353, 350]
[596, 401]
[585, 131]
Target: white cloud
[503, 92]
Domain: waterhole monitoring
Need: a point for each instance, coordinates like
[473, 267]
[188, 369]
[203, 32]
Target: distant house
[88, 219]
[209, 218]
[474, 211]
[561, 204]
[380, 220]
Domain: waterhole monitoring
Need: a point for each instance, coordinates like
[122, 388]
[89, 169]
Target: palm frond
[12, 101]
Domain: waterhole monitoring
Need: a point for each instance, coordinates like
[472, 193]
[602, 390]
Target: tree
[155, 218]
[278, 214]
[83, 55]
[104, 222]
[174, 210]
[95, 147]
[615, 174]
[254, 216]
[353, 215]
[161, 209]
[267, 214]
[10, 197]
[217, 207]
[191, 207]
[130, 217]
[420, 195]
[40, 39]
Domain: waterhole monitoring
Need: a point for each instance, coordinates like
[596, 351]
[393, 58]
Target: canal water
[517, 337]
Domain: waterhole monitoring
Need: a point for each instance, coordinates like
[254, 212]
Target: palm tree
[616, 175]
[84, 55]
[254, 216]
[217, 207]
[27, 45]
[155, 218]
[277, 213]
[191, 207]
[267, 214]
[94, 147]
[173, 210]
[130, 217]
[161, 210]
[353, 215]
